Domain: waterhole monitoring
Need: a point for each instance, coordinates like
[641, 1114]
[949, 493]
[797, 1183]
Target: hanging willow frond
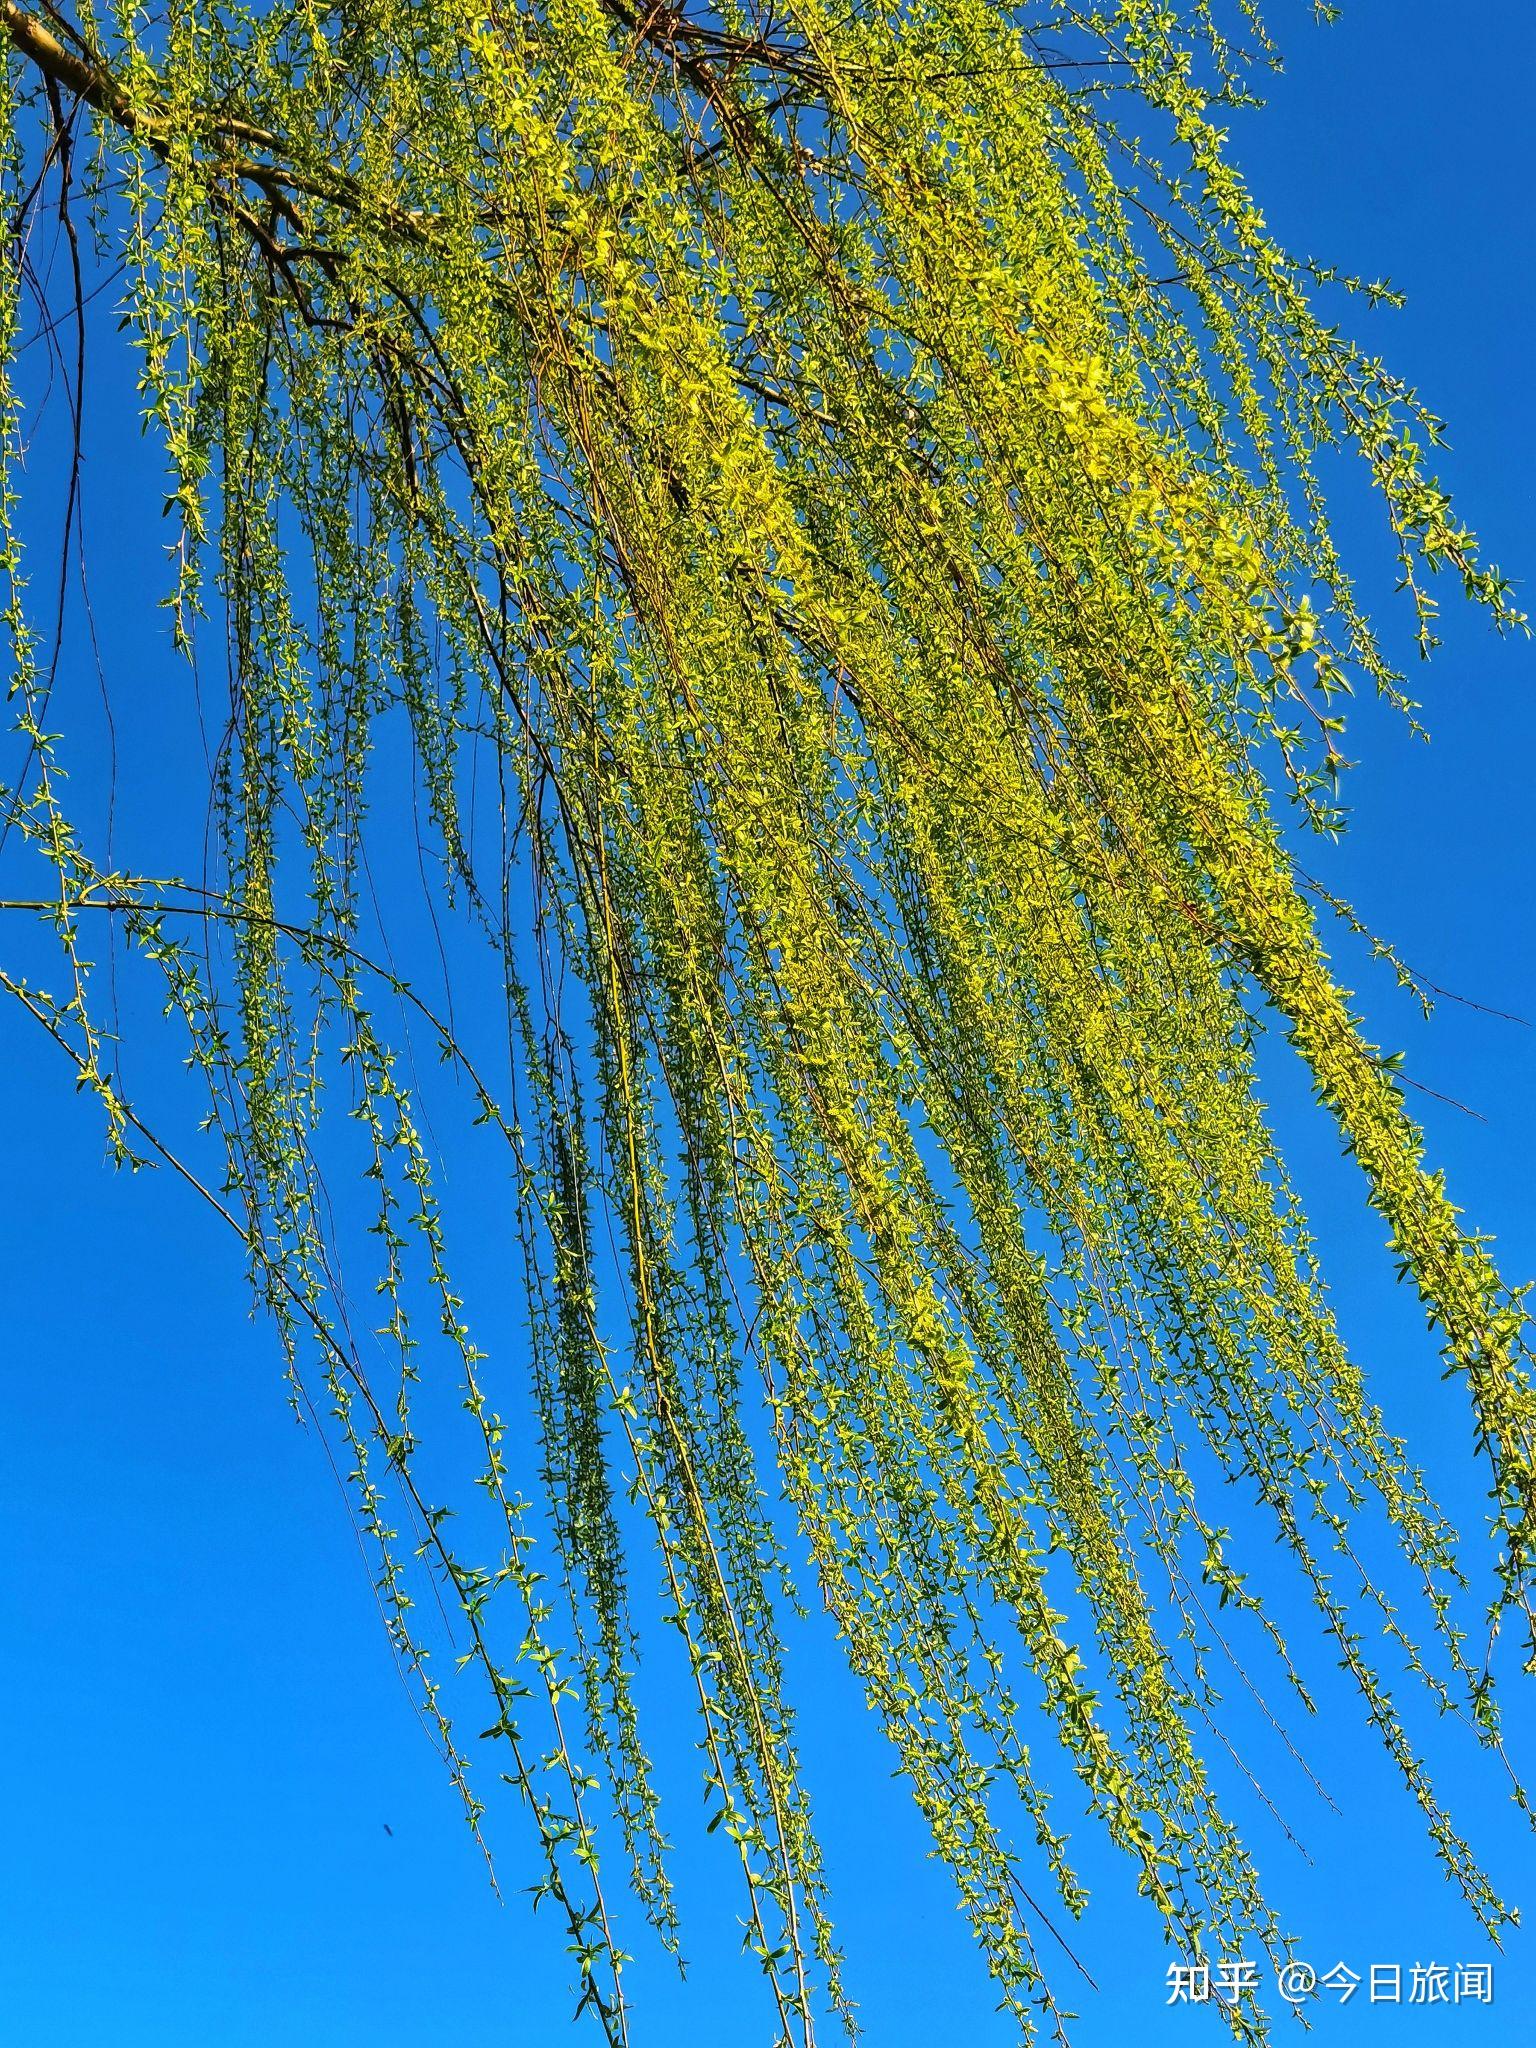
[844, 482]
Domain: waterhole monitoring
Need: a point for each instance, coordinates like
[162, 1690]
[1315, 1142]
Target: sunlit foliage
[837, 487]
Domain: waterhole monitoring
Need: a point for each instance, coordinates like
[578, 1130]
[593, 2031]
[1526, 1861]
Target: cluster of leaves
[855, 503]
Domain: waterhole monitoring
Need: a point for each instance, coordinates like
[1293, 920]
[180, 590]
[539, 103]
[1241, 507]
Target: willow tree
[828, 500]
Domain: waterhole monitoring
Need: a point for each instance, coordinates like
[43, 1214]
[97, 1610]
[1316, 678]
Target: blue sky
[222, 1827]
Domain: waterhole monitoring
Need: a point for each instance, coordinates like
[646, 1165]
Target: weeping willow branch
[850, 579]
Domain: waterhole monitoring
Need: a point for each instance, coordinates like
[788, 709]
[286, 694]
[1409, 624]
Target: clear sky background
[220, 1825]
